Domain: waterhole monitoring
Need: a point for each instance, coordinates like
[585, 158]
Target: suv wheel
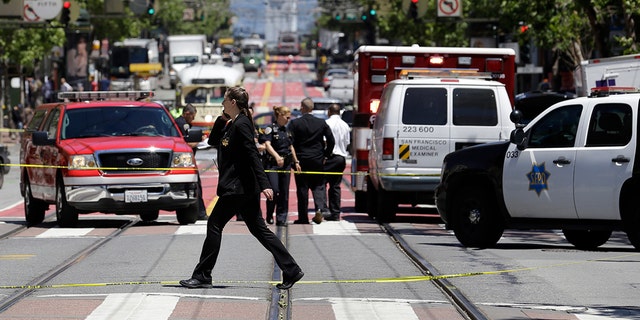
[150, 215]
[188, 215]
[476, 220]
[67, 216]
[34, 209]
[387, 206]
[587, 239]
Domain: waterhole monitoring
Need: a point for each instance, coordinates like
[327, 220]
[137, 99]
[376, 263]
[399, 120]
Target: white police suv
[572, 168]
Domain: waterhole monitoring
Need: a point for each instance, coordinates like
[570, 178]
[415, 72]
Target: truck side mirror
[41, 138]
[193, 135]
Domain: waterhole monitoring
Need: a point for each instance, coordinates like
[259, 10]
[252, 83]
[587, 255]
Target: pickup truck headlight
[83, 161]
[182, 160]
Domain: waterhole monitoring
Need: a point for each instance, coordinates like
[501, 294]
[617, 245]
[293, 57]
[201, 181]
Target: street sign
[40, 10]
[449, 8]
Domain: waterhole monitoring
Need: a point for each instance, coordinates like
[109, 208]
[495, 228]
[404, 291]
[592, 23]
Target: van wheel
[587, 239]
[148, 216]
[188, 215]
[476, 221]
[371, 195]
[34, 209]
[362, 199]
[67, 216]
[387, 206]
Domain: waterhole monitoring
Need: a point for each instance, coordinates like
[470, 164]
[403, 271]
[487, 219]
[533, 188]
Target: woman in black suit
[242, 179]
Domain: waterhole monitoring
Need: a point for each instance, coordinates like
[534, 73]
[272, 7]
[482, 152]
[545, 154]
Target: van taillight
[494, 65]
[373, 105]
[387, 149]
[378, 63]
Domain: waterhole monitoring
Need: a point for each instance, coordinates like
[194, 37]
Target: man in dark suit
[313, 143]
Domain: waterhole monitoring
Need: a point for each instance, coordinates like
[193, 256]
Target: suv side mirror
[193, 135]
[41, 138]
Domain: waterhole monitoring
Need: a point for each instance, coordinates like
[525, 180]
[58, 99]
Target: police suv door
[538, 181]
[606, 160]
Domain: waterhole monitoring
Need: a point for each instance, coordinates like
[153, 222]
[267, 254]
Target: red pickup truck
[110, 152]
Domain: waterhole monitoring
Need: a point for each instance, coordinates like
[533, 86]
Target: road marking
[135, 306]
[16, 256]
[65, 232]
[336, 228]
[365, 310]
[199, 227]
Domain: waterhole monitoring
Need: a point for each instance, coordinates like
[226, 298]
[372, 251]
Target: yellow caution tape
[376, 280]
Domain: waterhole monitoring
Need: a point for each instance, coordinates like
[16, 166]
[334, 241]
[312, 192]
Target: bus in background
[253, 52]
[134, 65]
[203, 86]
[288, 43]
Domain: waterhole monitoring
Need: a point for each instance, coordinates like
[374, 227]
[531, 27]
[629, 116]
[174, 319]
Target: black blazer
[239, 164]
[312, 137]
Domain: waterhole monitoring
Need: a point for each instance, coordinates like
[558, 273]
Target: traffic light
[338, 17]
[65, 16]
[525, 46]
[151, 9]
[413, 9]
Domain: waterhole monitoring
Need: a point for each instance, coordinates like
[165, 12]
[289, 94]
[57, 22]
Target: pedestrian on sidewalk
[241, 180]
[337, 162]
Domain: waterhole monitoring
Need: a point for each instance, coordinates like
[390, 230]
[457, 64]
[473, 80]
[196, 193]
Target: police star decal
[538, 178]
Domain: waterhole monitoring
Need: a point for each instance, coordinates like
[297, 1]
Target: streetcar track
[33, 285]
[463, 305]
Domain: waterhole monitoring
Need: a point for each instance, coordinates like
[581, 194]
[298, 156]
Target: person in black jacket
[313, 142]
[242, 179]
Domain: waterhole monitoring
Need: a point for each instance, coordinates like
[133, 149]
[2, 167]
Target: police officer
[279, 157]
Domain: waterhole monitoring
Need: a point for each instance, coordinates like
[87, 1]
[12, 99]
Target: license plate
[135, 196]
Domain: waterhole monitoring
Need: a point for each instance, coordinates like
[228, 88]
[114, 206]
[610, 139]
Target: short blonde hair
[281, 110]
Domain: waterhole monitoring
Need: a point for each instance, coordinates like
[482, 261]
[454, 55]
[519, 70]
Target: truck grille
[121, 162]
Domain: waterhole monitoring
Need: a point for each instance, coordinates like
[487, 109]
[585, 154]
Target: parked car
[532, 103]
[333, 73]
[341, 88]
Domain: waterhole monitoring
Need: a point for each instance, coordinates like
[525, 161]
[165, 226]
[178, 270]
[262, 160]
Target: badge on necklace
[225, 142]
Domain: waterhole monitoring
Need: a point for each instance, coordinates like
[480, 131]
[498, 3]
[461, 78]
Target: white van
[419, 121]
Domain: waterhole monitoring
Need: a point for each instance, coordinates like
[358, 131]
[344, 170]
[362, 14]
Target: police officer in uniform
[279, 157]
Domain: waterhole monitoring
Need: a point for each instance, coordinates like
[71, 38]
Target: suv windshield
[117, 121]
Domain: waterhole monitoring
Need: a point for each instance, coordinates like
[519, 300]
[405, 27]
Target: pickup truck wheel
[66, 215]
[476, 222]
[387, 206]
[150, 215]
[188, 215]
[587, 239]
[34, 209]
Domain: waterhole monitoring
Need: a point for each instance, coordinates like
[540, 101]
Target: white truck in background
[184, 51]
[135, 65]
[620, 71]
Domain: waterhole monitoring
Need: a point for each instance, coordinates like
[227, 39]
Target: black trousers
[336, 164]
[313, 181]
[224, 210]
[280, 182]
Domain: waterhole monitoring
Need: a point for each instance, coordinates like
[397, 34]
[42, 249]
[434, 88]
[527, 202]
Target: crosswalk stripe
[336, 228]
[64, 232]
[365, 310]
[132, 306]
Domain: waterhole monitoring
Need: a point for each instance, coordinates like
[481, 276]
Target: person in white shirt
[336, 164]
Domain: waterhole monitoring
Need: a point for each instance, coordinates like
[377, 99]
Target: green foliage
[28, 46]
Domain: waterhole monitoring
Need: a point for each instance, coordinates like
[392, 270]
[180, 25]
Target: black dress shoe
[281, 223]
[288, 283]
[332, 218]
[270, 220]
[195, 283]
[301, 222]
